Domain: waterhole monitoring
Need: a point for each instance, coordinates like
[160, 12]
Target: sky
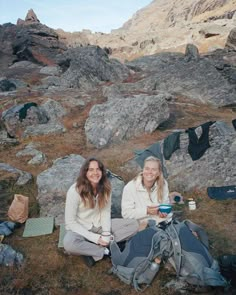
[73, 15]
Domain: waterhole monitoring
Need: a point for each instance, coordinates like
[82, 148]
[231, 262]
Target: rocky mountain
[63, 100]
[68, 101]
[29, 40]
[165, 25]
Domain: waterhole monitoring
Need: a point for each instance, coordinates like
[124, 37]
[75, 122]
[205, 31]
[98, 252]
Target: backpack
[191, 257]
[173, 241]
[135, 264]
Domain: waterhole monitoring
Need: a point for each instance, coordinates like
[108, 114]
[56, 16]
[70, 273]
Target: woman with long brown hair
[142, 195]
[88, 214]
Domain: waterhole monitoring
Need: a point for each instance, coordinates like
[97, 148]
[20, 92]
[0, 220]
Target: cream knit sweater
[80, 219]
[136, 198]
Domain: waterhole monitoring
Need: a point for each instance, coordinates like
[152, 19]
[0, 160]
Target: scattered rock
[30, 150]
[6, 141]
[21, 177]
[38, 159]
[53, 109]
[44, 129]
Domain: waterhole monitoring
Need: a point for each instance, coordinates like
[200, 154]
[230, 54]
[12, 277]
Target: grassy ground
[46, 269]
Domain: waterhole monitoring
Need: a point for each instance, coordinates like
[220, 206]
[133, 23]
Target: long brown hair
[85, 189]
[160, 177]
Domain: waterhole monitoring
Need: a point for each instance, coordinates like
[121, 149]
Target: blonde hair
[160, 178]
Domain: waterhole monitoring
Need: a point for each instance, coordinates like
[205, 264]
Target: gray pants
[121, 229]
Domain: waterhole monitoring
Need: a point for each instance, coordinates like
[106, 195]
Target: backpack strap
[142, 267]
[200, 232]
[176, 246]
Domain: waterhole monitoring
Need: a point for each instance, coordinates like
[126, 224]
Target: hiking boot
[89, 261]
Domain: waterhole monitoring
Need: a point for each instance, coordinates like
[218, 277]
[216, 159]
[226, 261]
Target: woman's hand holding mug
[105, 238]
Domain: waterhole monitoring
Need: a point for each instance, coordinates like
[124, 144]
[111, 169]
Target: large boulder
[198, 79]
[85, 67]
[37, 43]
[30, 40]
[54, 183]
[34, 119]
[123, 118]
[23, 115]
[215, 168]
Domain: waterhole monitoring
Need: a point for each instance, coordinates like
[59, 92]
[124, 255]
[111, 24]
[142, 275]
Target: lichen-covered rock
[123, 118]
[215, 168]
[85, 67]
[195, 78]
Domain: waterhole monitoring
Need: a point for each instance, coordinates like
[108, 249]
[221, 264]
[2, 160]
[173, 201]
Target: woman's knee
[67, 244]
[70, 240]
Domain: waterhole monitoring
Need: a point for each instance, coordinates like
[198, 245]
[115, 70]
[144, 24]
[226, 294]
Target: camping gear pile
[184, 244]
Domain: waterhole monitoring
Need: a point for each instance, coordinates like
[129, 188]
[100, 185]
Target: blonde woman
[142, 195]
[88, 214]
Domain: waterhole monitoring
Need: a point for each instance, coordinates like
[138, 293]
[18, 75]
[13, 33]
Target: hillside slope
[166, 25]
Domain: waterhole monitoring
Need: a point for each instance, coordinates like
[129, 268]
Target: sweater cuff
[93, 237]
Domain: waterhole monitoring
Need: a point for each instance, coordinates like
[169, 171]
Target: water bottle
[148, 275]
[154, 266]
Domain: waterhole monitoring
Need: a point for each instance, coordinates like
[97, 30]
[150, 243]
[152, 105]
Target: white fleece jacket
[80, 219]
[136, 198]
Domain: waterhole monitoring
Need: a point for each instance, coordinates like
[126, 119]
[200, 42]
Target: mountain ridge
[165, 26]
